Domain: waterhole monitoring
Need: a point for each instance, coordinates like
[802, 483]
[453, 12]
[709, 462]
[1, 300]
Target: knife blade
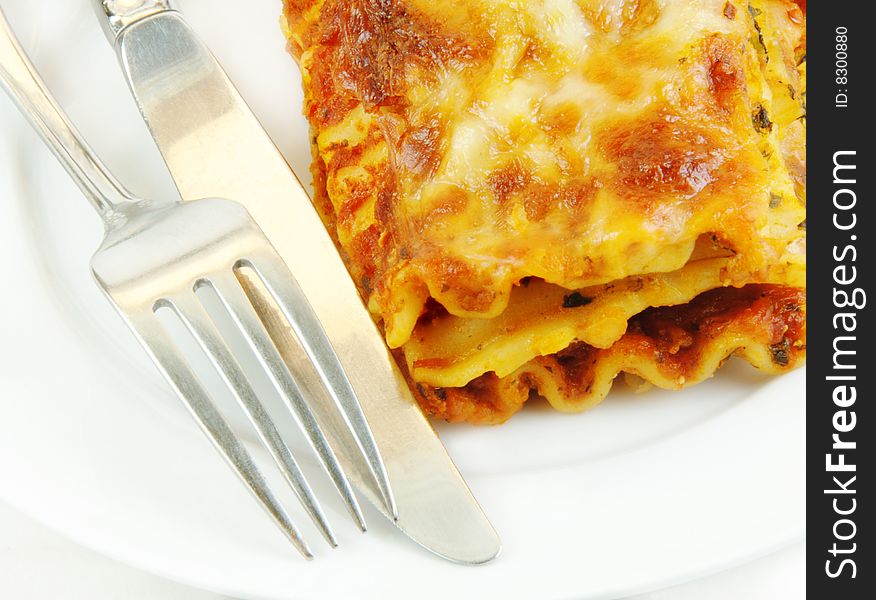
[214, 147]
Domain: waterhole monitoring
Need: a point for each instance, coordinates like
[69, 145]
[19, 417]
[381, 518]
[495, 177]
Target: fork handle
[26, 88]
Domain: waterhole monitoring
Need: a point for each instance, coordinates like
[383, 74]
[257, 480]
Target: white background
[36, 564]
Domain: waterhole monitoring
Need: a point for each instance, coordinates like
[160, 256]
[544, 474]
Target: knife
[214, 147]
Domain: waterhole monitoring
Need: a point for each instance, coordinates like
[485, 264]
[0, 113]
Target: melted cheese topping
[464, 147]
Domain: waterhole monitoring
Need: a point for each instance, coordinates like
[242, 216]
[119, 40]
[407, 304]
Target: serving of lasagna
[534, 197]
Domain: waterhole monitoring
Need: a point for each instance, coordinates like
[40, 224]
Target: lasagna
[534, 197]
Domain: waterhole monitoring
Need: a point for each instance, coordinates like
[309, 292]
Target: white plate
[642, 492]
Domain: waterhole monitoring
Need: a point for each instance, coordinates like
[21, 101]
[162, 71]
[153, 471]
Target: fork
[157, 255]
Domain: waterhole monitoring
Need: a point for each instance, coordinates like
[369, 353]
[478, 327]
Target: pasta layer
[670, 347]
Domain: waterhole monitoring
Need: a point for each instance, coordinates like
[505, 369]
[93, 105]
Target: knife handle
[115, 15]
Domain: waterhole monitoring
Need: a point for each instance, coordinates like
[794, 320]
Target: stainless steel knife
[215, 147]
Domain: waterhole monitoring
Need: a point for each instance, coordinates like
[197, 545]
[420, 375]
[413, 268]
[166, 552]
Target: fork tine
[270, 269]
[201, 326]
[236, 302]
[185, 383]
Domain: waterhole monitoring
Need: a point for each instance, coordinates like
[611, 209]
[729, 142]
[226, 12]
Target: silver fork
[157, 254]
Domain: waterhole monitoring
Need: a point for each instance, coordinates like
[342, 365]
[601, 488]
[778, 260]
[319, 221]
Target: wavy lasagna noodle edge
[670, 347]
[477, 346]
